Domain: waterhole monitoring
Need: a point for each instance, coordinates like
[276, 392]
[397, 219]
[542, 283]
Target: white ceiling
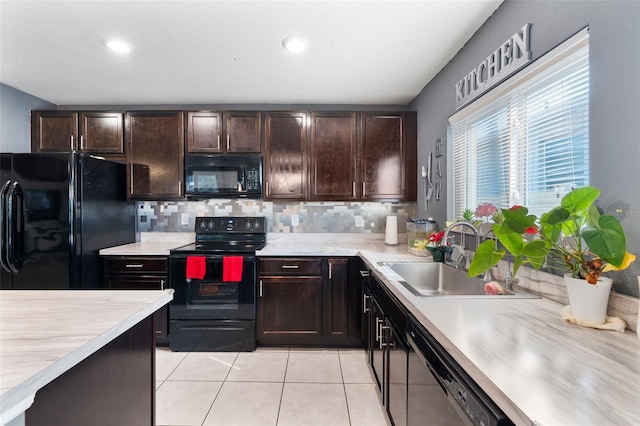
[219, 52]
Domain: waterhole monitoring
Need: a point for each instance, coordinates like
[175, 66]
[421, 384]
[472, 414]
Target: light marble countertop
[151, 244]
[44, 333]
[539, 369]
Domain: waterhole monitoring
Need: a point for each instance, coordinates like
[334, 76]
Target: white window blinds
[527, 141]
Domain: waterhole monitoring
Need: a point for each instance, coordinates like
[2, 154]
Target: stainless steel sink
[435, 279]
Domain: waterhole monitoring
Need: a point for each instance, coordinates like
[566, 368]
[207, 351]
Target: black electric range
[214, 282]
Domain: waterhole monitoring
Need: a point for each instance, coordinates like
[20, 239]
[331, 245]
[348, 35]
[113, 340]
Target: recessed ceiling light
[117, 45]
[295, 44]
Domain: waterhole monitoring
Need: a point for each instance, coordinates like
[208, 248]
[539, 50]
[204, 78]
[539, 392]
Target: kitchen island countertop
[44, 333]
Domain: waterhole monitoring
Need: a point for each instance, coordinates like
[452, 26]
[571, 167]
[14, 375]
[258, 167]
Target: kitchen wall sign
[510, 56]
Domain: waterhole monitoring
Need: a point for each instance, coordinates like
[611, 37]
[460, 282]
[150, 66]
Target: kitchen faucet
[464, 254]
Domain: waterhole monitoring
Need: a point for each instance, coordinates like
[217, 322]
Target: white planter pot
[588, 302]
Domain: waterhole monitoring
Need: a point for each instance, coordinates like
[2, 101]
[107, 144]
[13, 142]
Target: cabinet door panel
[243, 131]
[204, 132]
[289, 308]
[336, 307]
[382, 156]
[155, 155]
[102, 132]
[398, 378]
[377, 353]
[54, 131]
[286, 155]
[333, 156]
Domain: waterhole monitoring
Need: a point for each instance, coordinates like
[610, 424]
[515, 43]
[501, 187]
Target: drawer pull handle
[134, 265]
[290, 266]
[364, 273]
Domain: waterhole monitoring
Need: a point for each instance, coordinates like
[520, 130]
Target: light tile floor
[271, 386]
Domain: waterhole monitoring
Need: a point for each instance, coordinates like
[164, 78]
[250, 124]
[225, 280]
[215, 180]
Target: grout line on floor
[344, 388]
[284, 380]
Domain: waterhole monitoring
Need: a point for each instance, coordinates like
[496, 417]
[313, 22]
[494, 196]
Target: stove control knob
[256, 225]
[211, 225]
[202, 225]
[247, 225]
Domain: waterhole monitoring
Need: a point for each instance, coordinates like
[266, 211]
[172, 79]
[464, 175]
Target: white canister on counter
[391, 231]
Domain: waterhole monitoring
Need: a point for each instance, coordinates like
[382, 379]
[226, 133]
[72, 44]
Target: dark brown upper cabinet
[99, 133]
[216, 133]
[285, 155]
[155, 155]
[243, 131]
[388, 162]
[334, 156]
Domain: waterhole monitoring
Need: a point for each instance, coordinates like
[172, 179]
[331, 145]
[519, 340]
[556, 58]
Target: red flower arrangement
[435, 240]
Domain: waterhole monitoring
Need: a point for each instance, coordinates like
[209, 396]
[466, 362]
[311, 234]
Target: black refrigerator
[57, 211]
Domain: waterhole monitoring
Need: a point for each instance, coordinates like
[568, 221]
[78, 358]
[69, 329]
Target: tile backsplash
[286, 217]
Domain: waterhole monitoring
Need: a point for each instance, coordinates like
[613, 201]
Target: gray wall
[15, 113]
[614, 98]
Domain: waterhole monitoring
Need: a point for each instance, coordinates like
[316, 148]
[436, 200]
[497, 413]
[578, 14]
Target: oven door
[212, 298]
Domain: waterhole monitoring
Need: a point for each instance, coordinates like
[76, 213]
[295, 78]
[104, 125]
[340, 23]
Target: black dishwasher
[434, 376]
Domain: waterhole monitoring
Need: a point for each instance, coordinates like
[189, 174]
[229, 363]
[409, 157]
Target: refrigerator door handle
[4, 250]
[15, 227]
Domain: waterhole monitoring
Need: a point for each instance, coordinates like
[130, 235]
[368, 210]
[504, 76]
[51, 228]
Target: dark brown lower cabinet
[307, 301]
[141, 273]
[289, 310]
[388, 352]
[113, 386]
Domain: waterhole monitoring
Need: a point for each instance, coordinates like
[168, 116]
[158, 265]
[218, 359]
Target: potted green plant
[436, 246]
[573, 236]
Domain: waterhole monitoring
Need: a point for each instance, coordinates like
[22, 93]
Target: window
[525, 142]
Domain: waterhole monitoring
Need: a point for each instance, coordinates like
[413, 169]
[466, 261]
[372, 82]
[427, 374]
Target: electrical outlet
[184, 218]
[295, 220]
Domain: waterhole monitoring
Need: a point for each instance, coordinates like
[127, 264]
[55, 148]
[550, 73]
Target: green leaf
[580, 198]
[535, 252]
[555, 216]
[593, 216]
[518, 220]
[607, 240]
[517, 262]
[510, 239]
[486, 256]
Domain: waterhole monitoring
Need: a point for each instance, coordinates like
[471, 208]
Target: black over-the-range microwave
[223, 176]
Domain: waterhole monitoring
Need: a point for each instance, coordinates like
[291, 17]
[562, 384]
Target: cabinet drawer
[290, 266]
[135, 265]
[138, 282]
